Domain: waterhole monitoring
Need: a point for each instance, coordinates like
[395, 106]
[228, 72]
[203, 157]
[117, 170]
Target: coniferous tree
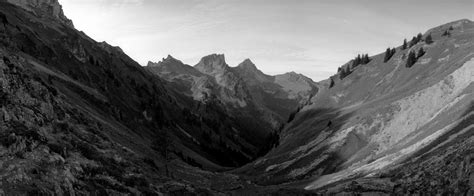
[445, 33]
[404, 46]
[345, 71]
[331, 83]
[421, 52]
[387, 55]
[429, 39]
[419, 37]
[366, 59]
[342, 74]
[356, 61]
[411, 59]
[394, 51]
[451, 28]
[413, 41]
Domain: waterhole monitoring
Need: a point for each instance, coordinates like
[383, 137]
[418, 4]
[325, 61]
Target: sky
[312, 37]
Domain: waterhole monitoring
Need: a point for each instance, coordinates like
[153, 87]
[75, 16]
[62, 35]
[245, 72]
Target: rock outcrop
[44, 8]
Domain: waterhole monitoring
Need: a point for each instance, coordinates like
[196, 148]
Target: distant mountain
[242, 89]
[386, 127]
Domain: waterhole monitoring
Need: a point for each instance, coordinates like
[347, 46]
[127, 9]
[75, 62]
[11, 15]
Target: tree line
[389, 53]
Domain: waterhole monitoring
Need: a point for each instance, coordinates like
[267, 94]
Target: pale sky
[312, 37]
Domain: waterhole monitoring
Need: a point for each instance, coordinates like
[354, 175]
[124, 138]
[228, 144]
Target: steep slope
[281, 94]
[183, 77]
[386, 127]
[79, 116]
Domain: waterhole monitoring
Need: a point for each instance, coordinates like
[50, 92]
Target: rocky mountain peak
[247, 64]
[44, 8]
[169, 60]
[171, 65]
[251, 74]
[212, 63]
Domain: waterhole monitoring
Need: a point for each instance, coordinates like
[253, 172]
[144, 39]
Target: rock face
[44, 8]
[386, 128]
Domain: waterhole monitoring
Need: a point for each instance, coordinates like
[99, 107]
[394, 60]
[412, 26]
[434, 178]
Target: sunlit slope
[379, 115]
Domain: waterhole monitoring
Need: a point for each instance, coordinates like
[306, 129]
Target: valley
[81, 117]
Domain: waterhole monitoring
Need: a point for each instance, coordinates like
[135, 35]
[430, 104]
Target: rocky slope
[386, 128]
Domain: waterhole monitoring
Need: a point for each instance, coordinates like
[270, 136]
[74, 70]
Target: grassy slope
[363, 109]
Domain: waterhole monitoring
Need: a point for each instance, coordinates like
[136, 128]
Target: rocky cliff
[44, 8]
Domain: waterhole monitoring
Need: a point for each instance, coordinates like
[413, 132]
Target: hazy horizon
[309, 37]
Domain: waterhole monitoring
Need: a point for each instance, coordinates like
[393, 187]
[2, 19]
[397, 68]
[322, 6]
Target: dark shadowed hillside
[81, 116]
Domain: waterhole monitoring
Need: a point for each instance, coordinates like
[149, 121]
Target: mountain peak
[44, 8]
[211, 63]
[293, 76]
[169, 60]
[220, 58]
[248, 65]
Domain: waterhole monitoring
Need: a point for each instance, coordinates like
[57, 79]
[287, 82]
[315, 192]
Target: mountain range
[266, 98]
[81, 117]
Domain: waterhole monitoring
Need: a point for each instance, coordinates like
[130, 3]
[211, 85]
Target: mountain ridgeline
[81, 117]
[260, 103]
